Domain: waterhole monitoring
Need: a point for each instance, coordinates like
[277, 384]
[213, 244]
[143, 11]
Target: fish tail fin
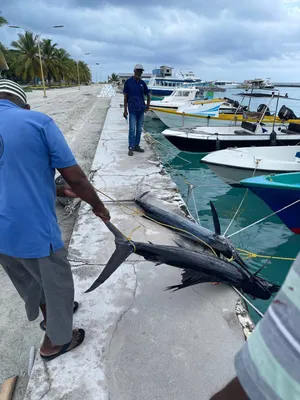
[215, 218]
[123, 250]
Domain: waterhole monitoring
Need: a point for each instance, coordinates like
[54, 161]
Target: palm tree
[27, 62]
[71, 71]
[3, 21]
[85, 72]
[65, 66]
[3, 63]
[50, 60]
[113, 78]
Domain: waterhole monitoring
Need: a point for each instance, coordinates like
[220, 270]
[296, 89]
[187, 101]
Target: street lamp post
[39, 48]
[100, 77]
[97, 74]
[78, 76]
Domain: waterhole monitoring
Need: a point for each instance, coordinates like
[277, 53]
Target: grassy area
[39, 87]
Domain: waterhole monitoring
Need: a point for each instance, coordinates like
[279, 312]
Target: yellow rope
[136, 212]
[249, 254]
[135, 229]
[245, 253]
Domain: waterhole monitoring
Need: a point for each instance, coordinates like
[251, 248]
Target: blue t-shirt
[31, 147]
[136, 89]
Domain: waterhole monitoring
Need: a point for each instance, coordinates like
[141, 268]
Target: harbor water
[268, 238]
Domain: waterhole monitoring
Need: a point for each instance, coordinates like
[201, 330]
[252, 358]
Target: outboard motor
[262, 107]
[286, 113]
[273, 138]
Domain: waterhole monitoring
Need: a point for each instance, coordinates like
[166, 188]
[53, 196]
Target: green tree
[24, 63]
[63, 62]
[27, 61]
[3, 21]
[3, 63]
[85, 72]
[113, 78]
[50, 61]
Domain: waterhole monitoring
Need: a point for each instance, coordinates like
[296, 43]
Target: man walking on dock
[134, 91]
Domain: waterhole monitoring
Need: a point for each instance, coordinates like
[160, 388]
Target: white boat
[190, 117]
[234, 165]
[226, 84]
[163, 81]
[207, 139]
[257, 83]
[225, 107]
[178, 98]
[183, 96]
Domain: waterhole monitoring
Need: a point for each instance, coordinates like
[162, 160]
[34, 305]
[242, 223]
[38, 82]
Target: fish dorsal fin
[215, 218]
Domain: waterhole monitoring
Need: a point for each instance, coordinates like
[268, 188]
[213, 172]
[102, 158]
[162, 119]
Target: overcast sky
[217, 39]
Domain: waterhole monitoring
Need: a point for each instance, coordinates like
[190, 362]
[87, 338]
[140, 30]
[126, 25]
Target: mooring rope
[263, 219]
[245, 195]
[248, 301]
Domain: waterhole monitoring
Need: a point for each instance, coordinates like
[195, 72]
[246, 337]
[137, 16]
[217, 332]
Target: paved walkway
[141, 342]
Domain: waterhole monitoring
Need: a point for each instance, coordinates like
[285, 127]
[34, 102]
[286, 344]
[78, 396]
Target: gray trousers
[49, 281]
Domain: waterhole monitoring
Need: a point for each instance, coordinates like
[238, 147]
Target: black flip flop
[75, 308]
[65, 349]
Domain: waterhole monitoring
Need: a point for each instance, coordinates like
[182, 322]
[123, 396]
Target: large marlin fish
[192, 230]
[198, 267]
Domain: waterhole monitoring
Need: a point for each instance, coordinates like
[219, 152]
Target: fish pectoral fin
[215, 218]
[118, 257]
[191, 278]
[178, 243]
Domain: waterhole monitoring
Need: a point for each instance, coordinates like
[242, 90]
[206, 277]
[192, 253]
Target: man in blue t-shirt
[31, 248]
[134, 91]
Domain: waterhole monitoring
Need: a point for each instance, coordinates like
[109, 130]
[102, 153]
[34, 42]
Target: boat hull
[205, 145]
[233, 175]
[235, 164]
[176, 119]
[277, 199]
[162, 92]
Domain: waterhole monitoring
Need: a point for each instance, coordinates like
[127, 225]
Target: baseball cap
[139, 66]
[11, 87]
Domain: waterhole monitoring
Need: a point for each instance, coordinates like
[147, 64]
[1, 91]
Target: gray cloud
[228, 38]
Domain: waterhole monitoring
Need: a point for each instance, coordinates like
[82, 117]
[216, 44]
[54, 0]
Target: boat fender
[273, 140]
[218, 144]
[297, 157]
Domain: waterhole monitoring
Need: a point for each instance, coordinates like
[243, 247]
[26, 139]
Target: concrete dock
[142, 342]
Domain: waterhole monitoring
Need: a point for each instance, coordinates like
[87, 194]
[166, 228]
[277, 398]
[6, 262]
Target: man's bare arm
[79, 183]
[233, 391]
[148, 100]
[125, 104]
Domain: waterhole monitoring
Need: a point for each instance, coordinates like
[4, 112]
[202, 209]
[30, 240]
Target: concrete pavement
[141, 342]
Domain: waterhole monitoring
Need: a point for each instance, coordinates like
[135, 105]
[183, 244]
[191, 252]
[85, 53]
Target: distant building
[163, 71]
[124, 76]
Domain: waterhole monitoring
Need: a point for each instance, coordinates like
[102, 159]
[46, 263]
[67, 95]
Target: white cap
[11, 87]
[139, 66]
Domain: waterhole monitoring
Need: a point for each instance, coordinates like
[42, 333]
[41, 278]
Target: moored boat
[182, 119]
[207, 139]
[281, 193]
[235, 164]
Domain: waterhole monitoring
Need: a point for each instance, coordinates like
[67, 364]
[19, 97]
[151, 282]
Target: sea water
[268, 238]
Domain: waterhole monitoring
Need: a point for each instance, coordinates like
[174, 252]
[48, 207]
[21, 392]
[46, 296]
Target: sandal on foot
[75, 308]
[65, 348]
